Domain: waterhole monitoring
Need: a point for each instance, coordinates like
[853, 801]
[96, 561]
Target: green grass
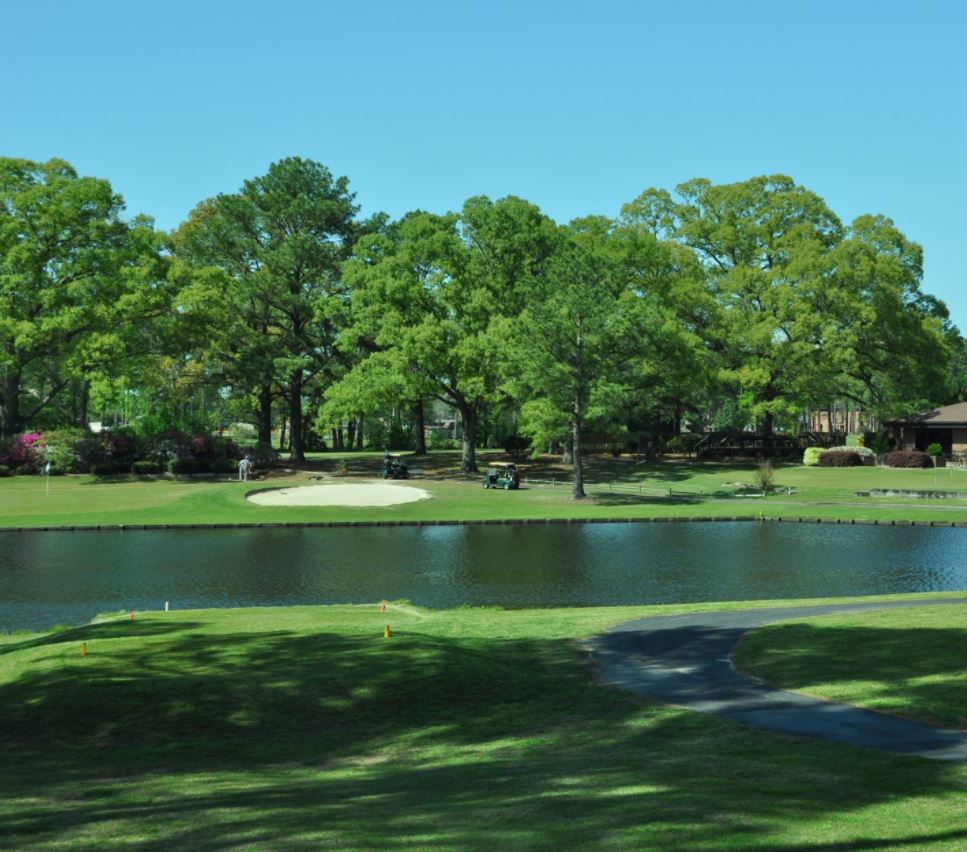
[618, 489]
[908, 662]
[469, 728]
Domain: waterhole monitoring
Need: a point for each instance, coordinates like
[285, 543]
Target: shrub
[202, 447]
[224, 465]
[765, 475]
[145, 468]
[908, 458]
[226, 448]
[840, 458]
[263, 454]
[185, 466]
[170, 444]
[441, 442]
[61, 458]
[879, 443]
[25, 451]
[88, 450]
[863, 452]
[438, 439]
[60, 448]
[934, 450]
[4, 470]
[121, 449]
[810, 458]
[242, 432]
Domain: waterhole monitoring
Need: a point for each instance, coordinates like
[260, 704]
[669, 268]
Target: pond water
[68, 577]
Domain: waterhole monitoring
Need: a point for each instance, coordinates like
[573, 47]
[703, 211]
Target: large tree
[279, 244]
[428, 299]
[573, 339]
[78, 284]
[763, 243]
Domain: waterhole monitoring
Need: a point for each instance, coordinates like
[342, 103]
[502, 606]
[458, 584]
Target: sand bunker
[341, 494]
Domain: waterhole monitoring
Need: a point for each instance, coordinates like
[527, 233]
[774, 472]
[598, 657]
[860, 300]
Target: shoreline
[657, 519]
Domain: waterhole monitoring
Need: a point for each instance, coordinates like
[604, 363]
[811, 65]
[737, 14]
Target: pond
[49, 578]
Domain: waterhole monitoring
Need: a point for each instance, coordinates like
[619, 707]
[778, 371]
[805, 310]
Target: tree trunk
[85, 405]
[359, 432]
[577, 493]
[351, 433]
[468, 413]
[339, 441]
[10, 420]
[678, 418]
[265, 414]
[282, 435]
[767, 425]
[419, 428]
[568, 455]
[483, 427]
[296, 452]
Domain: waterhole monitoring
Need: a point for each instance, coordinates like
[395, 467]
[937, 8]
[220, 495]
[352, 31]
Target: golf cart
[502, 476]
[394, 468]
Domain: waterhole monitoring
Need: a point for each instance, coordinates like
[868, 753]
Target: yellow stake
[386, 632]
[83, 649]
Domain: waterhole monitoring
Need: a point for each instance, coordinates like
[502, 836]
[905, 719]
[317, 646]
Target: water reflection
[66, 578]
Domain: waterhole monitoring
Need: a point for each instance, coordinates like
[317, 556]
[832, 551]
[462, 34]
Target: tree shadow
[129, 478]
[617, 498]
[102, 630]
[803, 656]
[221, 740]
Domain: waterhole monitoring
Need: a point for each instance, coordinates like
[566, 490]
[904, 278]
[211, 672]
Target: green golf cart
[504, 476]
[394, 467]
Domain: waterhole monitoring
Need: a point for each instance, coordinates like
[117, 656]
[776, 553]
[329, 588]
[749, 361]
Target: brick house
[946, 426]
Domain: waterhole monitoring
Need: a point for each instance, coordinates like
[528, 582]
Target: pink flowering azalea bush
[25, 453]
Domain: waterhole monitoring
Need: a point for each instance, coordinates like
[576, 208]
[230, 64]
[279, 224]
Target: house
[946, 426]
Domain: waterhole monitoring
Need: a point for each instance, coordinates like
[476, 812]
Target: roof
[947, 415]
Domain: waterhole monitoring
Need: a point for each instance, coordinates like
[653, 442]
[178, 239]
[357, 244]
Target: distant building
[946, 426]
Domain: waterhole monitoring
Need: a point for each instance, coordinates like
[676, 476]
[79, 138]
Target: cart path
[684, 660]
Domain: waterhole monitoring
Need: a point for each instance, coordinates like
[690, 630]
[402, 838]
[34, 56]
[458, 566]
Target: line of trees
[279, 305]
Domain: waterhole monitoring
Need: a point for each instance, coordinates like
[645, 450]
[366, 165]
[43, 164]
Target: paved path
[684, 660]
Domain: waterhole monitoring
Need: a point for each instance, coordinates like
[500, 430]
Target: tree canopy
[742, 305]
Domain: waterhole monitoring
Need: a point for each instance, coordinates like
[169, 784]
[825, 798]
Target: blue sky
[575, 106]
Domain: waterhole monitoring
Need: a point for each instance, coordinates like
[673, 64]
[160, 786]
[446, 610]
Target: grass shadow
[868, 663]
[208, 740]
[102, 630]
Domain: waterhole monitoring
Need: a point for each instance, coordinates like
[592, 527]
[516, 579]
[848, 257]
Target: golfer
[244, 466]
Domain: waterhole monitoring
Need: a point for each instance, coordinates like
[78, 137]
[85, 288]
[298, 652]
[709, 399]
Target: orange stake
[132, 616]
[382, 607]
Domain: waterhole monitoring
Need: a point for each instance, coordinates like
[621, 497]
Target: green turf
[467, 729]
[618, 489]
[909, 662]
